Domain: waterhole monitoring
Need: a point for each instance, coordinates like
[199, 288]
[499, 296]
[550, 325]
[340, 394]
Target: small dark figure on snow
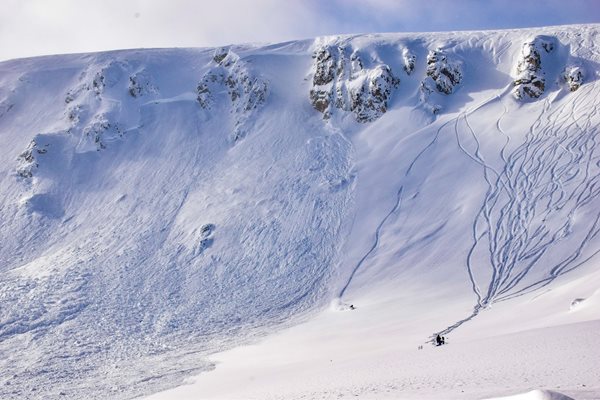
[352, 307]
[439, 340]
[443, 340]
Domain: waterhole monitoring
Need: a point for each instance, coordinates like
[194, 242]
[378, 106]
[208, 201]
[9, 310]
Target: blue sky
[38, 27]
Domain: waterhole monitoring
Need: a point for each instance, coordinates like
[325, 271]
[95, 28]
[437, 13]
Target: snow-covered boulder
[573, 76]
[530, 80]
[341, 81]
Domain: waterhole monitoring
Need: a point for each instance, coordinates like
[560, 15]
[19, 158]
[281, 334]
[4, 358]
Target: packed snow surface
[296, 220]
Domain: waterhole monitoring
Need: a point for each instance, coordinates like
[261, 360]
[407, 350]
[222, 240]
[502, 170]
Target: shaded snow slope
[159, 206]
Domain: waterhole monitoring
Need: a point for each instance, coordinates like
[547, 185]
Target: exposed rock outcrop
[410, 61]
[27, 161]
[246, 92]
[370, 100]
[109, 76]
[341, 81]
[206, 239]
[530, 80]
[101, 130]
[140, 84]
[442, 76]
[573, 77]
[441, 73]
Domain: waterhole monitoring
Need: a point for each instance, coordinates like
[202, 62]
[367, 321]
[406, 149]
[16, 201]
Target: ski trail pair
[549, 178]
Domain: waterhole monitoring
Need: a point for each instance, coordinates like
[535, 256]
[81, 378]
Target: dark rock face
[341, 81]
[530, 80]
[325, 67]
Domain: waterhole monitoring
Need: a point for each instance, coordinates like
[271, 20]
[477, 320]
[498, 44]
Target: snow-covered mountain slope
[159, 206]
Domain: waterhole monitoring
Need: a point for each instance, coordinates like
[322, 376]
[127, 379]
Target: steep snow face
[160, 205]
[135, 228]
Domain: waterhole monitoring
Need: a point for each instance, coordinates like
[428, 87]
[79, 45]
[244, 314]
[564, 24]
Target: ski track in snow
[397, 206]
[552, 176]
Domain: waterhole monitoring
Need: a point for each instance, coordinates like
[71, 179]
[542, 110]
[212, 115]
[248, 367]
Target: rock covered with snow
[91, 112]
[410, 60]
[530, 79]
[246, 91]
[101, 130]
[341, 81]
[27, 160]
[140, 84]
[91, 117]
[573, 76]
[441, 72]
[443, 75]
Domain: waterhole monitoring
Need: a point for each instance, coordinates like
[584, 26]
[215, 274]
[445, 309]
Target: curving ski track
[533, 202]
